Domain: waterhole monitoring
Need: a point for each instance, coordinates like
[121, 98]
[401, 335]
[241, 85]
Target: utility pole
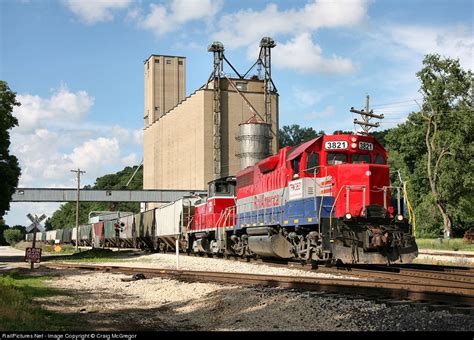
[79, 172]
[366, 116]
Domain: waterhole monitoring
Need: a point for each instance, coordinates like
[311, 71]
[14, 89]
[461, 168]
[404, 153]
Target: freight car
[328, 199]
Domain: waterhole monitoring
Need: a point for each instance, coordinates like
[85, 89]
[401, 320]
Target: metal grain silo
[254, 137]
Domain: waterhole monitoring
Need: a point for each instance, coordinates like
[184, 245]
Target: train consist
[328, 199]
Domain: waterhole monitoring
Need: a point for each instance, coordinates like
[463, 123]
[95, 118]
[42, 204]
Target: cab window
[336, 158]
[360, 158]
[379, 159]
[295, 164]
[312, 163]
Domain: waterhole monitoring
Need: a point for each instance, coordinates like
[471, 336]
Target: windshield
[379, 159]
[360, 158]
[336, 158]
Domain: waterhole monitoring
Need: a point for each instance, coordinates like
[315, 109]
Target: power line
[403, 101]
[407, 101]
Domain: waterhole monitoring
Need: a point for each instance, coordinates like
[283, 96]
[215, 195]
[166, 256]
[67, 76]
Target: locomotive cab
[363, 226]
[343, 183]
[213, 216]
[222, 187]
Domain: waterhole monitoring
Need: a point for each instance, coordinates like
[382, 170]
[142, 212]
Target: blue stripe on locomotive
[298, 212]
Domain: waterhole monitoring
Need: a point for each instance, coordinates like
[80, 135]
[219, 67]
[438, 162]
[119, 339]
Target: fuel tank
[270, 246]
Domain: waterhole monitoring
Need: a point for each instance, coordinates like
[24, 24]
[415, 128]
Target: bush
[13, 236]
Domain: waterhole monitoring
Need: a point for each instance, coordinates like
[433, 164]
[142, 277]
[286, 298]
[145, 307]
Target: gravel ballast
[105, 302]
[196, 263]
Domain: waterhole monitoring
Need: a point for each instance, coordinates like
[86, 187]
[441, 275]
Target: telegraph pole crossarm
[366, 124]
[366, 116]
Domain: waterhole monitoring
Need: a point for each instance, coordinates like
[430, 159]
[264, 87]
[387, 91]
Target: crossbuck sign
[36, 223]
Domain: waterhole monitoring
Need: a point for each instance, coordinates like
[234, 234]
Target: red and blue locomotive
[327, 199]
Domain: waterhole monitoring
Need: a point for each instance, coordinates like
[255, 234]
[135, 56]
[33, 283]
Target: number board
[33, 255]
[336, 145]
[295, 189]
[366, 146]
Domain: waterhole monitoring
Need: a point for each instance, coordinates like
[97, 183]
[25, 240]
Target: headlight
[348, 216]
[400, 218]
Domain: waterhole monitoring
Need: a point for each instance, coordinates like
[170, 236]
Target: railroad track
[454, 295]
[448, 276]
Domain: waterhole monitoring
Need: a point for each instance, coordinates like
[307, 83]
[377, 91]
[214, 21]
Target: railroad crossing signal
[36, 222]
[33, 254]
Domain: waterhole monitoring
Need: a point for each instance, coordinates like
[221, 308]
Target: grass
[454, 262]
[441, 244]
[19, 312]
[68, 253]
[47, 248]
[99, 255]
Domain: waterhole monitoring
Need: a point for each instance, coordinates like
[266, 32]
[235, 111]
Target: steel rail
[368, 287]
[454, 278]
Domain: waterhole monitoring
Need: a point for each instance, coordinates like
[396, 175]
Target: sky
[77, 68]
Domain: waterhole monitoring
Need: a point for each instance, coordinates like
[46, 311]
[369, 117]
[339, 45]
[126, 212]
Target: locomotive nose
[361, 186]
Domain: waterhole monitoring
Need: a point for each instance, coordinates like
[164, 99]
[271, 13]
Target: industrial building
[189, 141]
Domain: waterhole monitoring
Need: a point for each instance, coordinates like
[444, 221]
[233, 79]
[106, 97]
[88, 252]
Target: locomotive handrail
[348, 187]
[322, 196]
[384, 188]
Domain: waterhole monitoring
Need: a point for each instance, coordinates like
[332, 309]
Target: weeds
[19, 312]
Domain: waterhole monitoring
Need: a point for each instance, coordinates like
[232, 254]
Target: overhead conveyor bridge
[86, 195]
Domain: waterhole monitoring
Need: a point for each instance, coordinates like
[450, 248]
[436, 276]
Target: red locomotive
[326, 199]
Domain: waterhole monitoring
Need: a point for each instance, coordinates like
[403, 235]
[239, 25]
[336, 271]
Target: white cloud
[304, 56]
[138, 137]
[62, 106]
[54, 137]
[164, 19]
[95, 153]
[328, 111]
[129, 160]
[305, 97]
[43, 163]
[93, 11]
[454, 42]
[247, 27]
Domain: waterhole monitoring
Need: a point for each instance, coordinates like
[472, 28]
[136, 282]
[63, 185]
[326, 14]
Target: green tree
[294, 135]
[13, 236]
[447, 91]
[380, 136]
[3, 227]
[9, 167]
[434, 148]
[65, 216]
